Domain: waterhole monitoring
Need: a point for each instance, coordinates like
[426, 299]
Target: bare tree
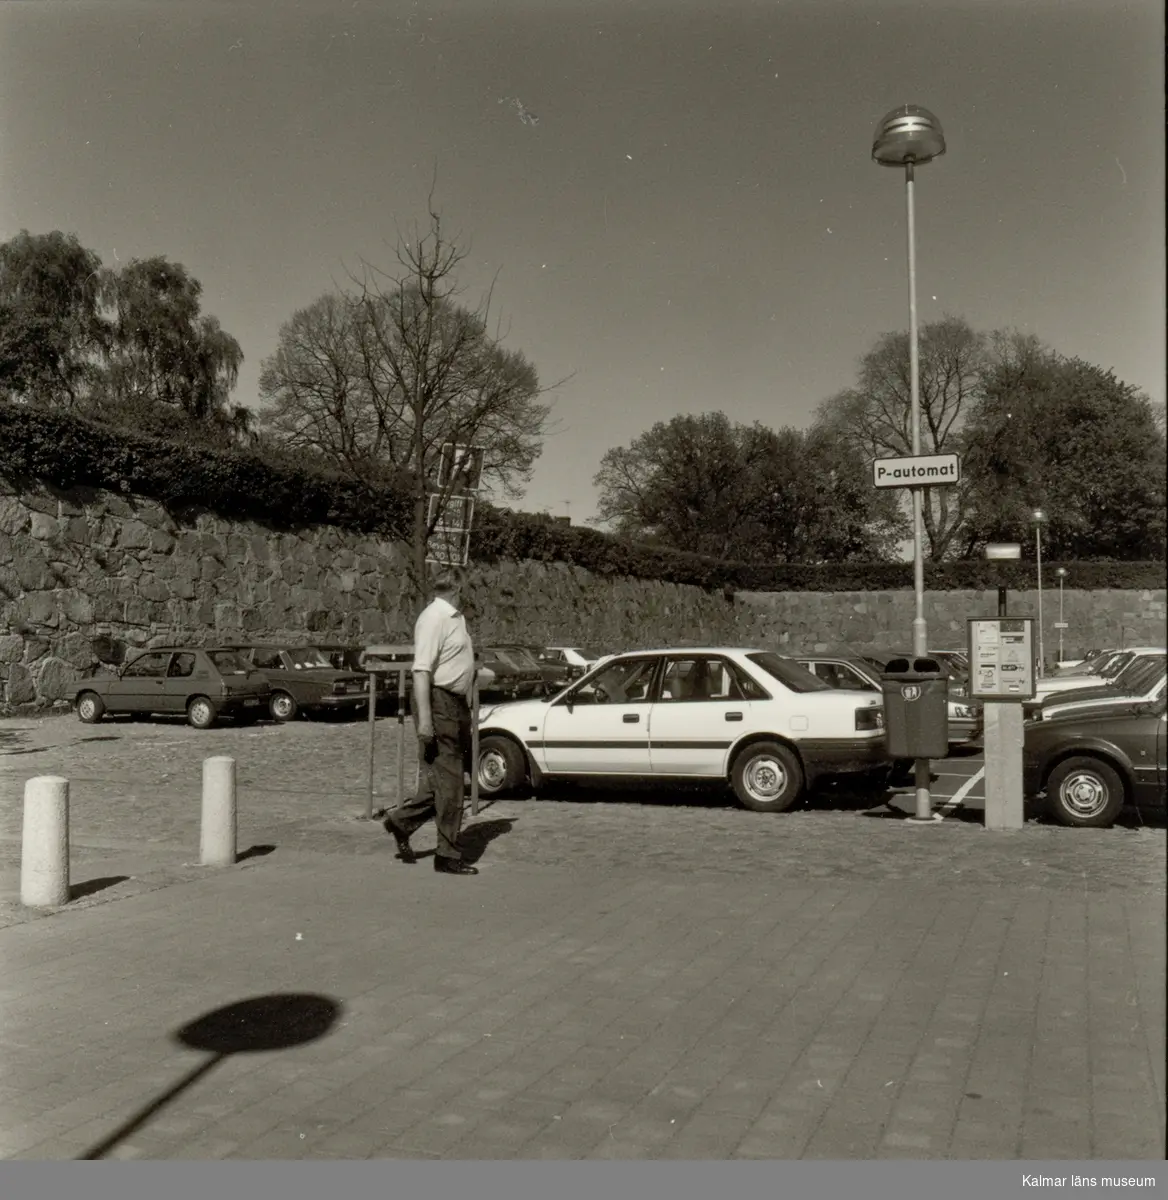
[875, 415]
[377, 378]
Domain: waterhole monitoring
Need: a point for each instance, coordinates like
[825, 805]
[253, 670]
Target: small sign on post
[918, 470]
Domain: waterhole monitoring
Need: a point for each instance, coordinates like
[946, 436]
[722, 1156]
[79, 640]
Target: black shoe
[453, 866]
[404, 850]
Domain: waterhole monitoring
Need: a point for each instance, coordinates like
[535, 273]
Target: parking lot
[135, 789]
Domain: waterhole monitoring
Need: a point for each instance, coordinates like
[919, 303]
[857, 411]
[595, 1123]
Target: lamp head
[1001, 551]
[908, 134]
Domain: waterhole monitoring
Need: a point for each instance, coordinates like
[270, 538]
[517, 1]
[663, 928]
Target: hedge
[66, 451]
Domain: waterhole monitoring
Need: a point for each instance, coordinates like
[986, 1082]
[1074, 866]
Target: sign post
[1002, 675]
[916, 472]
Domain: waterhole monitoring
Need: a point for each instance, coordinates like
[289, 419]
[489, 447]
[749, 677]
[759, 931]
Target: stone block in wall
[54, 679]
[151, 588]
[182, 587]
[76, 530]
[210, 569]
[40, 608]
[77, 650]
[14, 517]
[10, 586]
[43, 527]
[75, 606]
[41, 501]
[34, 648]
[372, 622]
[31, 567]
[228, 616]
[20, 688]
[11, 647]
[115, 506]
[134, 535]
[143, 612]
[162, 542]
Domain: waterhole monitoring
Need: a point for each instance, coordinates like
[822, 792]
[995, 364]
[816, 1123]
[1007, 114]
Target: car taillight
[869, 718]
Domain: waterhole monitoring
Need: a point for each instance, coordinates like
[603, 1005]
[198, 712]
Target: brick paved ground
[624, 979]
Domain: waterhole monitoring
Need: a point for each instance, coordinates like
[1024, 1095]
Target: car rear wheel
[201, 713]
[501, 766]
[767, 777]
[1084, 792]
[90, 709]
[282, 706]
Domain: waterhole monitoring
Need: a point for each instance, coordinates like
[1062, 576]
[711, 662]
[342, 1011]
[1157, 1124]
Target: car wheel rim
[1083, 794]
[282, 706]
[492, 770]
[765, 778]
[201, 713]
[88, 708]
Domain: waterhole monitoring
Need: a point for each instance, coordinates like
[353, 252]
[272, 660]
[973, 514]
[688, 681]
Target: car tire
[767, 777]
[90, 708]
[201, 713]
[501, 767]
[1084, 792]
[283, 706]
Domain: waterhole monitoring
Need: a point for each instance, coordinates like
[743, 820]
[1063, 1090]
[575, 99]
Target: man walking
[444, 670]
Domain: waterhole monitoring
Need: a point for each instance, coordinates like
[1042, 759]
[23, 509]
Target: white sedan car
[749, 717]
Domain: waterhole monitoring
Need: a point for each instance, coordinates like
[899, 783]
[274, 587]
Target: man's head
[447, 583]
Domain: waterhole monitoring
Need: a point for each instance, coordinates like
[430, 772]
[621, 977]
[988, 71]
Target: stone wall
[86, 575]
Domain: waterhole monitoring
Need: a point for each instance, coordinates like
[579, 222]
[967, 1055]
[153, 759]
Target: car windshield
[523, 657]
[788, 672]
[1138, 676]
[227, 662]
[504, 657]
[307, 658]
[1117, 664]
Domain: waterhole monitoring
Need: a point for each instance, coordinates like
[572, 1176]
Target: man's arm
[423, 713]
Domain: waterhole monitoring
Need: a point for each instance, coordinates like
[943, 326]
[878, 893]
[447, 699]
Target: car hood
[513, 710]
[1067, 683]
[1097, 720]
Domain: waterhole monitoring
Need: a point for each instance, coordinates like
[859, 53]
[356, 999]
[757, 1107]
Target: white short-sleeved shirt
[443, 647]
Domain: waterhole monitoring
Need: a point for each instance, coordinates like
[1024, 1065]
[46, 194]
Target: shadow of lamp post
[261, 1023]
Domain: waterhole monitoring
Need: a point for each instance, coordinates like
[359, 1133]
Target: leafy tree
[1070, 438]
[165, 355]
[51, 329]
[874, 417]
[704, 485]
[375, 379]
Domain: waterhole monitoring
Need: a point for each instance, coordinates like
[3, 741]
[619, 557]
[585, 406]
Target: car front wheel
[501, 766]
[201, 713]
[767, 777]
[90, 709]
[282, 706]
[1084, 792]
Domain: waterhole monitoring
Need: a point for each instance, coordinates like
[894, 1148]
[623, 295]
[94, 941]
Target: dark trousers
[440, 768]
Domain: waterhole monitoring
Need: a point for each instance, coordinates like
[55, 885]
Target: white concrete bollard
[219, 830]
[44, 851]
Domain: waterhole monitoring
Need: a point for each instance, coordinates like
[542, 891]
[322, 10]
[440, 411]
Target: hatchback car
[751, 718]
[205, 683]
[556, 672]
[303, 680]
[860, 674]
[516, 676]
[1089, 766]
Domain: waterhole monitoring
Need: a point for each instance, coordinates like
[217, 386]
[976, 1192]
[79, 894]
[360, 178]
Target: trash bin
[916, 708]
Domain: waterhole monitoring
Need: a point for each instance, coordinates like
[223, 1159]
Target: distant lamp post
[1061, 572]
[1038, 517]
[1002, 552]
[910, 136]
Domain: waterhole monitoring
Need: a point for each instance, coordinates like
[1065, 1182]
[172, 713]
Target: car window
[148, 666]
[699, 678]
[588, 653]
[624, 682]
[840, 675]
[306, 659]
[1139, 674]
[748, 687]
[554, 656]
[228, 662]
[788, 672]
[181, 666]
[268, 660]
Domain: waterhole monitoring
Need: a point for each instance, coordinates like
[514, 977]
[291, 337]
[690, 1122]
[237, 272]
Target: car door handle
[631, 718]
[733, 716]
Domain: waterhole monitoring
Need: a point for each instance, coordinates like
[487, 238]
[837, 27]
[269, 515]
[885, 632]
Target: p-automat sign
[922, 470]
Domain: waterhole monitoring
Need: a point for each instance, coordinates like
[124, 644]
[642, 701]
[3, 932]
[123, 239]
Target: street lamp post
[910, 136]
[1039, 516]
[1061, 572]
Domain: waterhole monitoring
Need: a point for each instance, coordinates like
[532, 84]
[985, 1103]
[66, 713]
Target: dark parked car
[205, 683]
[303, 680]
[555, 674]
[1089, 766]
[515, 678]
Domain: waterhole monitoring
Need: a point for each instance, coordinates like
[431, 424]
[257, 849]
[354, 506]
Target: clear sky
[692, 221]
